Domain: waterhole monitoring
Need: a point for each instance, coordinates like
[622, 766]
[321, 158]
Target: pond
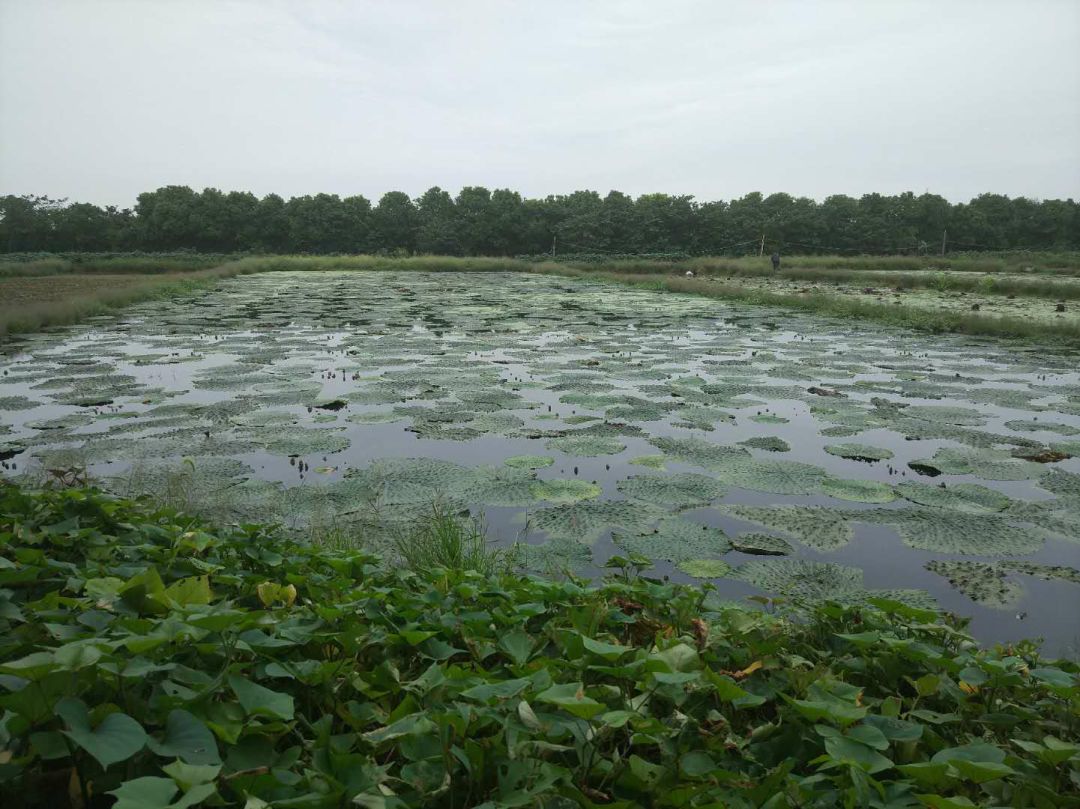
[761, 450]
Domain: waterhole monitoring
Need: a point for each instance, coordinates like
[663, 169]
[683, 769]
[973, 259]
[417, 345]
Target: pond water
[761, 450]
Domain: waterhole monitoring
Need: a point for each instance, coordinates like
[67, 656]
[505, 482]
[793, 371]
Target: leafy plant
[159, 661]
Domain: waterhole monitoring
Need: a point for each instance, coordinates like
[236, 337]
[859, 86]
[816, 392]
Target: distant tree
[437, 231]
[271, 226]
[394, 223]
[475, 220]
[169, 218]
[482, 222]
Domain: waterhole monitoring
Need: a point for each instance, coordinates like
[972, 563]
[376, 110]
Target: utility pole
[944, 233]
[761, 252]
[553, 240]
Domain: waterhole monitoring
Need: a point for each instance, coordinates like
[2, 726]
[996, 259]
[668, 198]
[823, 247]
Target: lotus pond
[765, 451]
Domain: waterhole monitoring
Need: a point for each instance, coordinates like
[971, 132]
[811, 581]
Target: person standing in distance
[776, 260]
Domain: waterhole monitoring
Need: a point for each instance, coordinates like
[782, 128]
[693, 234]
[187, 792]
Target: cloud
[102, 99]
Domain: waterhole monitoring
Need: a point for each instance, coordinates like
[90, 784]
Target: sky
[103, 99]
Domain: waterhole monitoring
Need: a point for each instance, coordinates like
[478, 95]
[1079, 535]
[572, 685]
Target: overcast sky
[102, 99]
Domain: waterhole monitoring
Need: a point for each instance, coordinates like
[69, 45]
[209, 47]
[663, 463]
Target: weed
[451, 542]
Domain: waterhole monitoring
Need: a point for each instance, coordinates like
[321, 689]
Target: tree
[394, 223]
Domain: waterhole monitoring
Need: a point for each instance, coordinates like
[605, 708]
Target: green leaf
[976, 751]
[571, 698]
[943, 802]
[151, 792]
[188, 775]
[259, 701]
[1055, 677]
[188, 738]
[895, 730]
[608, 651]
[518, 645]
[117, 738]
[416, 724]
[697, 763]
[869, 735]
[843, 749]
[191, 591]
[500, 690]
[981, 771]
[839, 712]
[927, 774]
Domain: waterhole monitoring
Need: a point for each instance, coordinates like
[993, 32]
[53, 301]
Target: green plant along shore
[162, 662]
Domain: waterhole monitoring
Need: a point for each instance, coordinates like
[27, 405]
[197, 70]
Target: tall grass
[88, 303]
[843, 307]
[1064, 263]
[893, 271]
[38, 264]
[986, 284]
[455, 543]
[376, 264]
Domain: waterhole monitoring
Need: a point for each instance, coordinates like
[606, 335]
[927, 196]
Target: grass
[452, 542]
[45, 264]
[75, 300]
[835, 306]
[162, 660]
[1065, 263]
[966, 273]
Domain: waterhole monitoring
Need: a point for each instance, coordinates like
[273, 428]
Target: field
[764, 450]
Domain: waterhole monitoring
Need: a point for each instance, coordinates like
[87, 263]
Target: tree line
[479, 222]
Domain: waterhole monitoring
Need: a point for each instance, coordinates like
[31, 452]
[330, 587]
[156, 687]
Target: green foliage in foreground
[150, 658]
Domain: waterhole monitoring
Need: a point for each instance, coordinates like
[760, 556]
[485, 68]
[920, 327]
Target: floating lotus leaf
[497, 423]
[1068, 447]
[943, 531]
[762, 545]
[920, 599]
[858, 491]
[584, 521]
[67, 422]
[859, 452]
[942, 414]
[1059, 517]
[643, 412]
[580, 419]
[969, 498]
[496, 486]
[651, 461]
[841, 432]
[1045, 572]
[989, 464]
[779, 477]
[264, 418]
[299, 441]
[684, 490]
[586, 446]
[1061, 483]
[675, 539]
[565, 491]
[823, 529]
[375, 396]
[374, 417]
[188, 481]
[769, 418]
[1042, 426]
[801, 578]
[704, 568]
[698, 452]
[409, 480]
[552, 557]
[982, 582]
[529, 461]
[771, 443]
